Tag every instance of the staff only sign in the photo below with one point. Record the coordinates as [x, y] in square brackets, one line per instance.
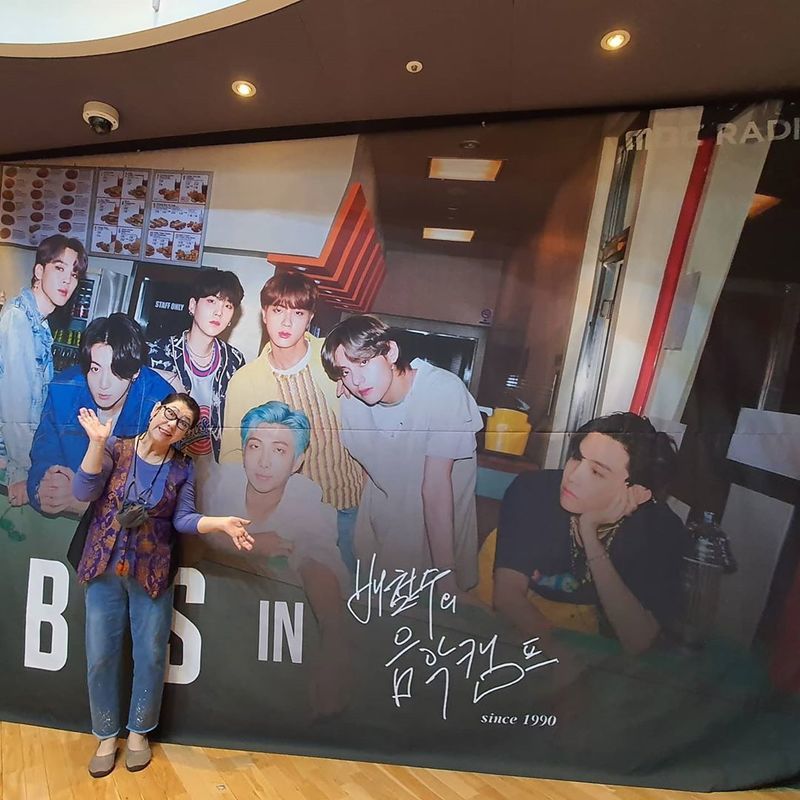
[484, 463]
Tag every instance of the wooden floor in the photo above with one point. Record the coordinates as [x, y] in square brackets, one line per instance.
[46, 764]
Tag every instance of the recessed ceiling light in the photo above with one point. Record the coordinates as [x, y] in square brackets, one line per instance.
[464, 169]
[615, 40]
[243, 88]
[470, 144]
[448, 234]
[414, 67]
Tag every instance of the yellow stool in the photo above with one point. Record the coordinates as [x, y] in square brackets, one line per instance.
[507, 431]
[573, 616]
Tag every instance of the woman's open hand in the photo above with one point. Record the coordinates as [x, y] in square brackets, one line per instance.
[236, 528]
[98, 432]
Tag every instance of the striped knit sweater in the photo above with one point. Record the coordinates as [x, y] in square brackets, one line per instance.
[308, 388]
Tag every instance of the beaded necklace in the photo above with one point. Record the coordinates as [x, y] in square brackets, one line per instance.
[580, 566]
[199, 367]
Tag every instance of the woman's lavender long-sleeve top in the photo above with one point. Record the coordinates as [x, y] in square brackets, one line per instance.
[87, 487]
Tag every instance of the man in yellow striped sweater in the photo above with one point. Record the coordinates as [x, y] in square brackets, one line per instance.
[289, 369]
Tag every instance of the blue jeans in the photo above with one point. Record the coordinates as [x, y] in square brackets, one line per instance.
[112, 604]
[346, 524]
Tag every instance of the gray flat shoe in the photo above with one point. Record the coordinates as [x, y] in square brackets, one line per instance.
[137, 759]
[100, 766]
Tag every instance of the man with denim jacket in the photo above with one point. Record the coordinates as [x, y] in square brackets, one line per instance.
[26, 359]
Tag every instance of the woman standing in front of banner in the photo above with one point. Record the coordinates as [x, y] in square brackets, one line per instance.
[143, 492]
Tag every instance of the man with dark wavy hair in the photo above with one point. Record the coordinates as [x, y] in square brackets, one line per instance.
[594, 547]
[412, 427]
[111, 380]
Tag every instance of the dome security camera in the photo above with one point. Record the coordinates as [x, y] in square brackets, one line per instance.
[100, 117]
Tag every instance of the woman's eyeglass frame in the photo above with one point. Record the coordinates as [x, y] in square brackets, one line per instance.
[171, 415]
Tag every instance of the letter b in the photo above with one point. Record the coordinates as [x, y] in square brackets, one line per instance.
[38, 613]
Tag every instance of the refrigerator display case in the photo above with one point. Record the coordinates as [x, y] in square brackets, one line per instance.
[68, 326]
[99, 293]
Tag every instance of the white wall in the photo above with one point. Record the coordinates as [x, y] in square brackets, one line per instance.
[266, 197]
[440, 287]
[756, 526]
[666, 173]
[583, 301]
[364, 173]
[16, 264]
[732, 183]
[733, 177]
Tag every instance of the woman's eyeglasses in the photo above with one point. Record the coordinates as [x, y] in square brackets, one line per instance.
[172, 415]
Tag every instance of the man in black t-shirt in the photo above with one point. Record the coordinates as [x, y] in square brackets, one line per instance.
[596, 534]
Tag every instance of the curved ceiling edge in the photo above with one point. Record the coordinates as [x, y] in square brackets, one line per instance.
[241, 12]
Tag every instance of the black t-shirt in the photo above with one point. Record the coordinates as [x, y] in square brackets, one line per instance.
[534, 538]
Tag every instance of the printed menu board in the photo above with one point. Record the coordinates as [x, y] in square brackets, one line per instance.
[38, 201]
[120, 211]
[176, 225]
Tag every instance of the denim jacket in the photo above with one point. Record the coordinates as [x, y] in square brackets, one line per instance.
[26, 369]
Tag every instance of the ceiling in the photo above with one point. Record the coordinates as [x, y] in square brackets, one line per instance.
[318, 62]
[539, 159]
[44, 29]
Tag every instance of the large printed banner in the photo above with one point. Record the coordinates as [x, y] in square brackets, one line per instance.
[518, 444]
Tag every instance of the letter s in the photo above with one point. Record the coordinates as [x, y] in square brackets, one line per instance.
[189, 669]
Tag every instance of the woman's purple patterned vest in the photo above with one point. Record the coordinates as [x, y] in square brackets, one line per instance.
[149, 555]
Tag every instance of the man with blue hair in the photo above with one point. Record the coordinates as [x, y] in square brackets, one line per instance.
[295, 533]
